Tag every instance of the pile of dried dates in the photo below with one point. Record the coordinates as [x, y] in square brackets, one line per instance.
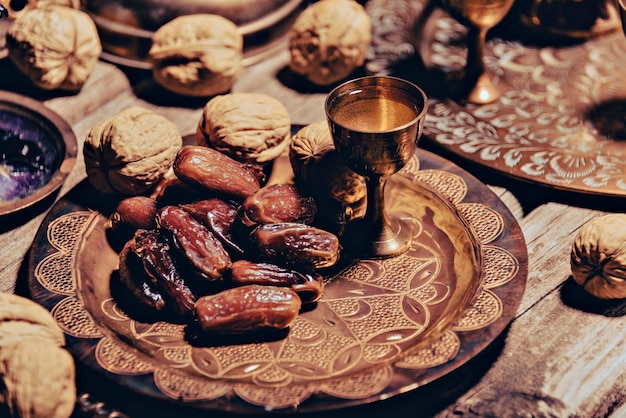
[215, 246]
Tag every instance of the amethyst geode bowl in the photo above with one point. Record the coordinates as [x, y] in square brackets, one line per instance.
[37, 152]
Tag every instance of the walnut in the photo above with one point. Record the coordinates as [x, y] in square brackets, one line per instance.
[23, 318]
[321, 169]
[56, 46]
[131, 152]
[249, 127]
[598, 256]
[197, 55]
[329, 40]
[38, 378]
[37, 374]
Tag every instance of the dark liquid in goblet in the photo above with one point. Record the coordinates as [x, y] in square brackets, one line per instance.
[374, 115]
[375, 123]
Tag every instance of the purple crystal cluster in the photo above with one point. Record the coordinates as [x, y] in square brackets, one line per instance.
[28, 156]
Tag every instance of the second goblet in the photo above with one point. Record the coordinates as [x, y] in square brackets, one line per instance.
[477, 85]
[376, 123]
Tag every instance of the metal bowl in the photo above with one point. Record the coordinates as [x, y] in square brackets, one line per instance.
[37, 152]
[126, 26]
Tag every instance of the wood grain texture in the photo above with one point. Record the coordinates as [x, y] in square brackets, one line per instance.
[564, 355]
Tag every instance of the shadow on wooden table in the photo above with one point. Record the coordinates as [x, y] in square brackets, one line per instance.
[11, 79]
[574, 296]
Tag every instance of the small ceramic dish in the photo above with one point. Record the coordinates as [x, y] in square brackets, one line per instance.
[37, 152]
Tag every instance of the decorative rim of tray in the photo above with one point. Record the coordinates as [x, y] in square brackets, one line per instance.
[560, 124]
[409, 352]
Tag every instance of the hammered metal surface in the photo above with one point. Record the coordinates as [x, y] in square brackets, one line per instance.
[559, 124]
[381, 328]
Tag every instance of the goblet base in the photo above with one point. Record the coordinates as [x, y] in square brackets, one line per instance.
[392, 239]
[481, 89]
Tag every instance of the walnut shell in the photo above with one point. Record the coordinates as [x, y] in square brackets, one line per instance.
[131, 152]
[23, 318]
[56, 46]
[598, 256]
[38, 379]
[321, 169]
[37, 374]
[248, 127]
[197, 55]
[329, 40]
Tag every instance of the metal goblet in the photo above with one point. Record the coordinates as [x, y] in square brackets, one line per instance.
[477, 85]
[376, 123]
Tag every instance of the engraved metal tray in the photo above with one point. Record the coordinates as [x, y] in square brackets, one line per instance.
[561, 122]
[382, 327]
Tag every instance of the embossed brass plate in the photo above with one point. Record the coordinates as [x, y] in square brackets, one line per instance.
[382, 327]
[561, 124]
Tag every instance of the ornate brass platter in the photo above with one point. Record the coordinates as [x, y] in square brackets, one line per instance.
[560, 124]
[381, 328]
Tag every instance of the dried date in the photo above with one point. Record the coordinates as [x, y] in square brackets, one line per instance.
[296, 245]
[248, 308]
[219, 217]
[210, 169]
[175, 192]
[309, 287]
[135, 212]
[197, 245]
[136, 280]
[145, 256]
[278, 203]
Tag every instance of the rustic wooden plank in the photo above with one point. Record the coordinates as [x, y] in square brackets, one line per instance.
[558, 360]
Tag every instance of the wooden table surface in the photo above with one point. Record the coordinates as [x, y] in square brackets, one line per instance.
[564, 353]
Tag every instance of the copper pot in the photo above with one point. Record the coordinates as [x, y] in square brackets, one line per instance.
[569, 18]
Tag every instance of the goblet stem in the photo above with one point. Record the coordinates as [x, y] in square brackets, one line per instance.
[375, 214]
[477, 85]
[377, 234]
[475, 64]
